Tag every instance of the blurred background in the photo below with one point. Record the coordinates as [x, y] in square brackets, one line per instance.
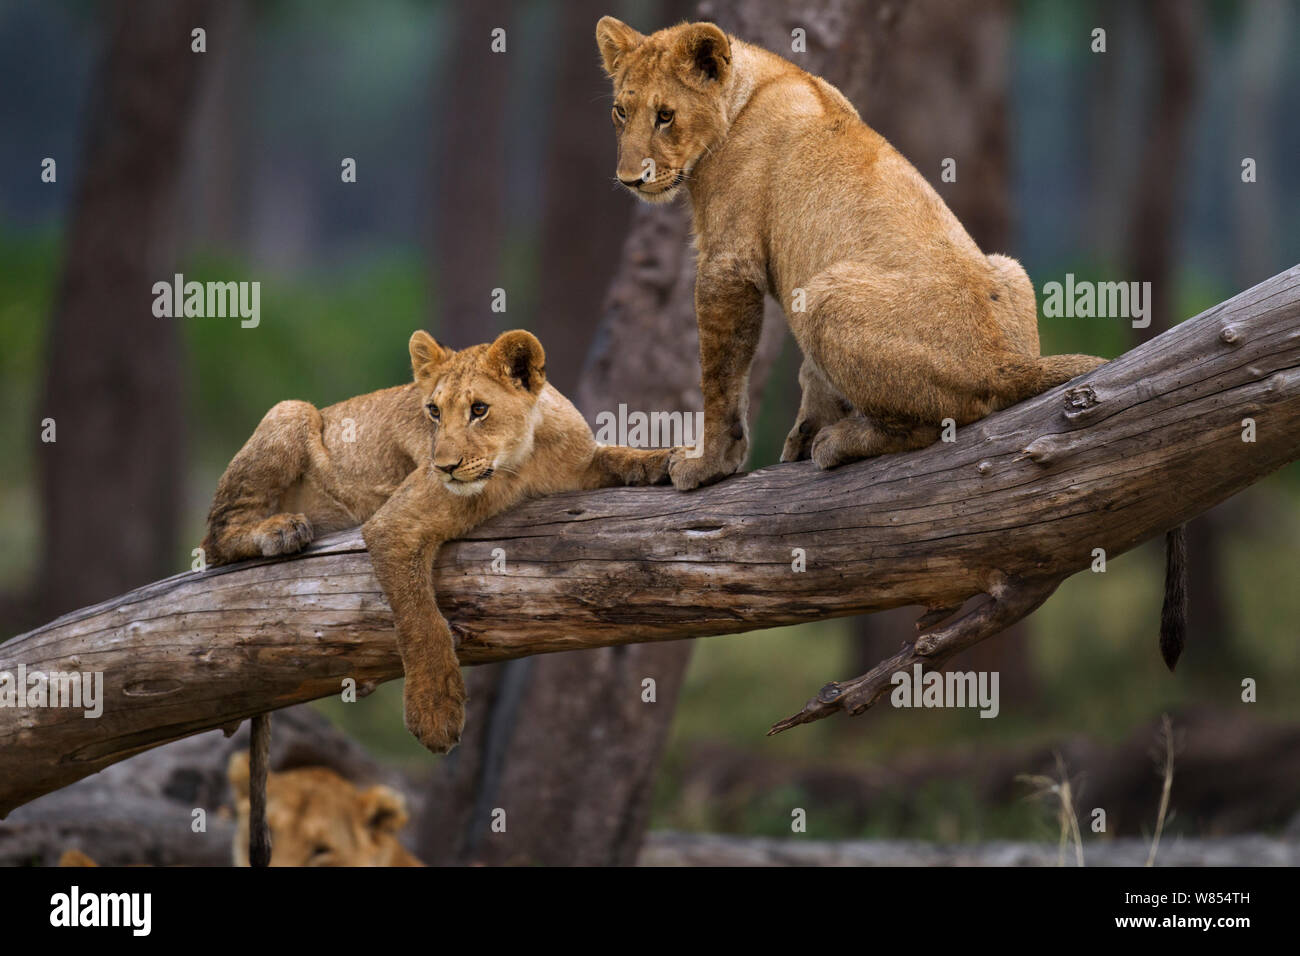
[478, 170]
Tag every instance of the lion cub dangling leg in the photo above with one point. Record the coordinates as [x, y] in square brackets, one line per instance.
[501, 434]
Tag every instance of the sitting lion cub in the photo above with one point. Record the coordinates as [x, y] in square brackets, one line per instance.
[902, 320]
[477, 432]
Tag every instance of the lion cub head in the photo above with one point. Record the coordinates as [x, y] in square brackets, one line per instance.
[319, 819]
[482, 402]
[669, 108]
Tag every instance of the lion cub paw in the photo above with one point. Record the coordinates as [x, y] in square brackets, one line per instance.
[652, 468]
[283, 534]
[799, 441]
[841, 443]
[436, 717]
[688, 473]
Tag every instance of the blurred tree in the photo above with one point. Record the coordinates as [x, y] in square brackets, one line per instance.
[1261, 62]
[1174, 28]
[111, 482]
[585, 212]
[218, 160]
[469, 173]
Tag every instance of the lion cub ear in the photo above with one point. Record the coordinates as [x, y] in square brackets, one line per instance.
[426, 353]
[383, 809]
[520, 357]
[613, 39]
[705, 51]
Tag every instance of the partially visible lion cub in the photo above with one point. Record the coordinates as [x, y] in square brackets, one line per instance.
[477, 432]
[902, 320]
[317, 818]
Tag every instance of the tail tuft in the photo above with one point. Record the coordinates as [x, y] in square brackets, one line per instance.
[1173, 615]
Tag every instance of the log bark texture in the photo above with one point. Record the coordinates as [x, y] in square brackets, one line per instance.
[1016, 504]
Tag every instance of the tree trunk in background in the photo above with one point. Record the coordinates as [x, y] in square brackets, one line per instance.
[586, 212]
[574, 771]
[111, 483]
[1261, 64]
[469, 175]
[219, 160]
[1174, 28]
[940, 91]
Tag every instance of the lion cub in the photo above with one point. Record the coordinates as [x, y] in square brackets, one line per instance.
[902, 320]
[475, 433]
[318, 818]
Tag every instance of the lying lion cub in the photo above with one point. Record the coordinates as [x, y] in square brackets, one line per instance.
[317, 818]
[902, 320]
[477, 432]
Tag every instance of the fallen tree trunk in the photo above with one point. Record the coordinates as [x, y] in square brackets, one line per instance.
[1016, 504]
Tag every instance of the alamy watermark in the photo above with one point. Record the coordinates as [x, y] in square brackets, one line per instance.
[946, 689]
[213, 300]
[652, 430]
[73, 689]
[1082, 299]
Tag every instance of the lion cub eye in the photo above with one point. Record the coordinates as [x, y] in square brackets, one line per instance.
[477, 410]
[665, 117]
[432, 409]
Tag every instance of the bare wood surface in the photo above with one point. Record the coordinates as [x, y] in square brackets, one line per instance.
[1017, 503]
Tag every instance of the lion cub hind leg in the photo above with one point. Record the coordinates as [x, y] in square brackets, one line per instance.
[243, 522]
[858, 437]
[819, 407]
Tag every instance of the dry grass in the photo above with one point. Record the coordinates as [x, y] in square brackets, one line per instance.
[1059, 789]
[1164, 755]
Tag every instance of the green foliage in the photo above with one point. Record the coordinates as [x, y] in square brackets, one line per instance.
[323, 337]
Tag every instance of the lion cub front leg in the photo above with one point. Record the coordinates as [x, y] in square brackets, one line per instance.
[403, 537]
[729, 310]
[614, 465]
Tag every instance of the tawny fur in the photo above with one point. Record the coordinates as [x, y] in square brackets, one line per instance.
[904, 321]
[319, 819]
[414, 481]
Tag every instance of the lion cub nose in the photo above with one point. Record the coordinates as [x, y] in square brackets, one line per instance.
[449, 469]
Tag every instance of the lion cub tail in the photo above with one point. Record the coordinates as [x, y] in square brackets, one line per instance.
[1017, 377]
